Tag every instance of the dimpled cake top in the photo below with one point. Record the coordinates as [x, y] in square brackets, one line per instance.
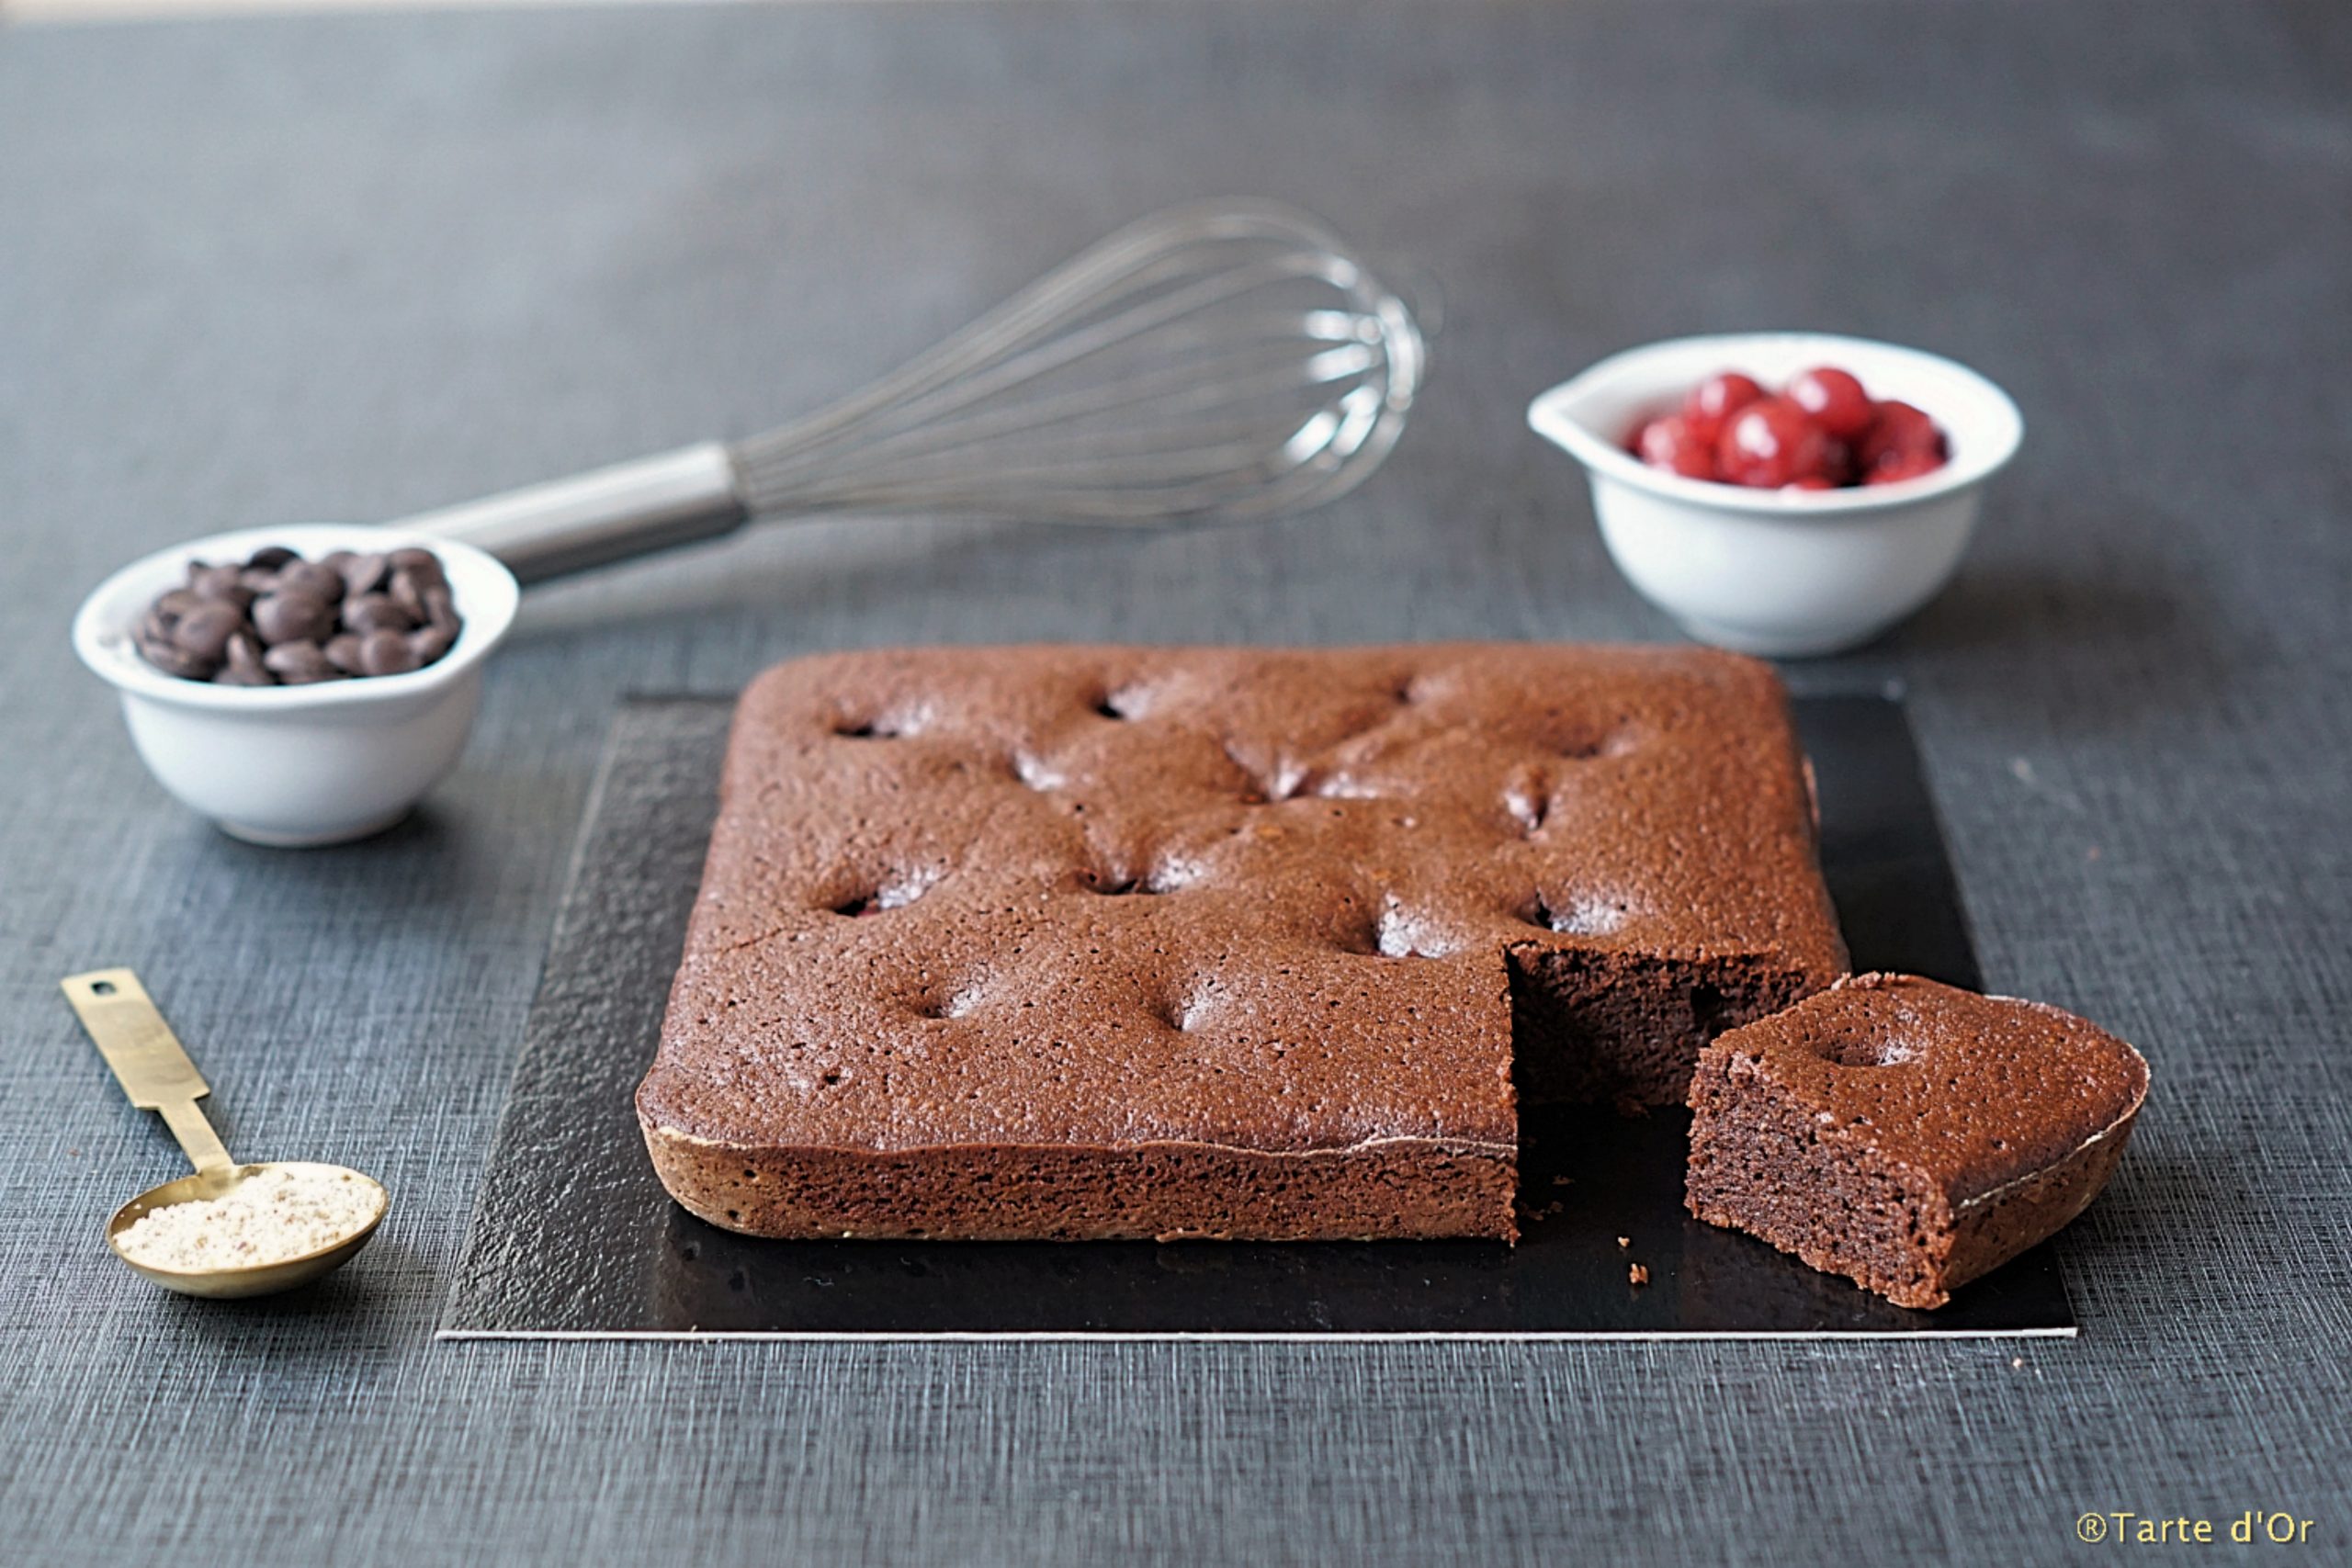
[1978, 1092]
[1073, 894]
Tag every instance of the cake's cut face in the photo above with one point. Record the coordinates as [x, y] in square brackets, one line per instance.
[1121, 941]
[1908, 1136]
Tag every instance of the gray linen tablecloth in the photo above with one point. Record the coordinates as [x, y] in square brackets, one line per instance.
[348, 266]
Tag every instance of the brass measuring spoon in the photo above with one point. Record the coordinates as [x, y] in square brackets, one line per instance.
[154, 1071]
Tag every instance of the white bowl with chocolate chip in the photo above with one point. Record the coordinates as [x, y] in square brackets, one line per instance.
[318, 762]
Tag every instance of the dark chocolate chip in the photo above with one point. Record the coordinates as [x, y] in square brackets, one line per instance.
[291, 617]
[441, 610]
[173, 659]
[219, 583]
[406, 591]
[315, 578]
[429, 643]
[367, 612]
[385, 653]
[178, 603]
[269, 558]
[421, 564]
[245, 667]
[363, 574]
[260, 582]
[205, 630]
[299, 663]
[343, 652]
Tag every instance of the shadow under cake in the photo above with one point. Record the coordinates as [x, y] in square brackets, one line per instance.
[1907, 1134]
[1073, 942]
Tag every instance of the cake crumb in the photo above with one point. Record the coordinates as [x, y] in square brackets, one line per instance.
[2016, 1361]
[1639, 1274]
[1625, 1241]
[285, 1213]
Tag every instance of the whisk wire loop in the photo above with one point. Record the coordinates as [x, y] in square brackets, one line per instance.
[1228, 359]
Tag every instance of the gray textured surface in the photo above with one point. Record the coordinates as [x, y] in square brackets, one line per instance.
[351, 266]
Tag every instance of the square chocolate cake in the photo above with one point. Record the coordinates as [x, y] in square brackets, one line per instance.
[1070, 942]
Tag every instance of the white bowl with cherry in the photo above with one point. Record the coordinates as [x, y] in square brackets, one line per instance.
[1784, 493]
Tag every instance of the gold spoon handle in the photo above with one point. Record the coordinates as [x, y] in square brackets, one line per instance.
[147, 1058]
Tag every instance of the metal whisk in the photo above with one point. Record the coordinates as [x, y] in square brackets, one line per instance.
[1229, 360]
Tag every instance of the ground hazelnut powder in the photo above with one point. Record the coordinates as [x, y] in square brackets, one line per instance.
[284, 1213]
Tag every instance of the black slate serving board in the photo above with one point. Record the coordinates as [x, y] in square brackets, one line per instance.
[574, 1237]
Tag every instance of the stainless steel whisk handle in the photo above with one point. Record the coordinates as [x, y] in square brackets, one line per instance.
[605, 515]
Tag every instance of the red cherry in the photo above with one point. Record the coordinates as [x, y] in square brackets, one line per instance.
[1667, 444]
[1715, 399]
[1835, 463]
[1812, 481]
[1836, 401]
[1903, 466]
[1898, 430]
[1771, 443]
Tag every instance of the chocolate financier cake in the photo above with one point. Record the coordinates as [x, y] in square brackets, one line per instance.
[1908, 1136]
[1065, 942]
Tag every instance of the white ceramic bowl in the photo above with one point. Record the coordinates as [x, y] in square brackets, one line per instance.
[316, 764]
[1784, 573]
